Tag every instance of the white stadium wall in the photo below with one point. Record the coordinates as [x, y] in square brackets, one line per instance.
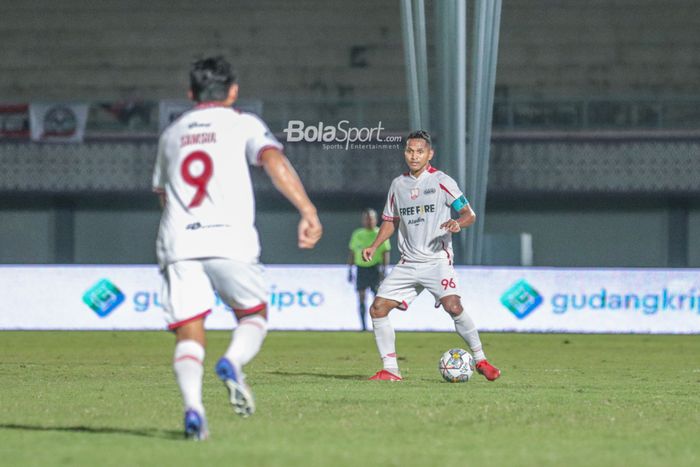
[320, 298]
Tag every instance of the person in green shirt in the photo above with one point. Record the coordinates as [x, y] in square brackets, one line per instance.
[369, 273]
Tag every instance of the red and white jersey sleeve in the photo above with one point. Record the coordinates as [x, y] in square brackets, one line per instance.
[390, 212]
[449, 187]
[259, 139]
[202, 167]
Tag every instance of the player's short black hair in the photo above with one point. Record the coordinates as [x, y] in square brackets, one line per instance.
[420, 134]
[211, 78]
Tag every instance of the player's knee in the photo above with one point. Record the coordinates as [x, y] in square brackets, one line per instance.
[193, 330]
[378, 311]
[453, 307]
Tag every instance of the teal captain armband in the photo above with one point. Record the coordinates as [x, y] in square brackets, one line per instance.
[459, 203]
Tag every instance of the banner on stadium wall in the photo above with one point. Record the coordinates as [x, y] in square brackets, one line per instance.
[14, 120]
[320, 298]
[170, 110]
[58, 122]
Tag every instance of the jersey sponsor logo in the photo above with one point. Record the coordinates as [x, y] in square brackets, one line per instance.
[197, 138]
[198, 125]
[429, 191]
[414, 193]
[103, 297]
[420, 220]
[198, 225]
[418, 209]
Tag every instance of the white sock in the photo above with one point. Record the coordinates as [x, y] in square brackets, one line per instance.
[386, 343]
[247, 340]
[188, 366]
[465, 327]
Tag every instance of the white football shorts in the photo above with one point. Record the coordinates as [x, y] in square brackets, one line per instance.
[406, 281]
[189, 285]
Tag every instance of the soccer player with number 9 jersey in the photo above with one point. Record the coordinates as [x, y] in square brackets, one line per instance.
[207, 239]
[419, 204]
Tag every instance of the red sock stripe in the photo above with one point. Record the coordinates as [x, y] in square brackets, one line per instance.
[188, 357]
[391, 355]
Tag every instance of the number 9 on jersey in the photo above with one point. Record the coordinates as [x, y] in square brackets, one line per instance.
[196, 178]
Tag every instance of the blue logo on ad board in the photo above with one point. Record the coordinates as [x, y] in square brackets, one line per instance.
[103, 297]
[521, 299]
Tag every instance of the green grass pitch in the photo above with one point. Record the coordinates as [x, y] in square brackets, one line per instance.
[109, 398]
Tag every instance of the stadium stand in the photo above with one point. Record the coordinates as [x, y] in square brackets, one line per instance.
[567, 69]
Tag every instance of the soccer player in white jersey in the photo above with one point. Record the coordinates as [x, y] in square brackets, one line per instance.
[419, 203]
[207, 239]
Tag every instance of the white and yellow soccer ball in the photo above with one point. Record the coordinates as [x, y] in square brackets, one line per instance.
[456, 366]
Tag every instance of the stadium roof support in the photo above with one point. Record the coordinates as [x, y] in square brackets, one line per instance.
[415, 53]
[451, 42]
[487, 18]
[469, 167]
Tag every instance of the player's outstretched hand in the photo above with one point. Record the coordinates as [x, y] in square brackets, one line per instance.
[452, 225]
[310, 230]
[367, 253]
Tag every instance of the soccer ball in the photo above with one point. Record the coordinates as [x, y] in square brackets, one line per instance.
[456, 366]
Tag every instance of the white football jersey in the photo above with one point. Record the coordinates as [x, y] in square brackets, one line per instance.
[202, 167]
[422, 204]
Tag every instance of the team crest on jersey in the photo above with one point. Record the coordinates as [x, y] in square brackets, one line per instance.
[414, 193]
